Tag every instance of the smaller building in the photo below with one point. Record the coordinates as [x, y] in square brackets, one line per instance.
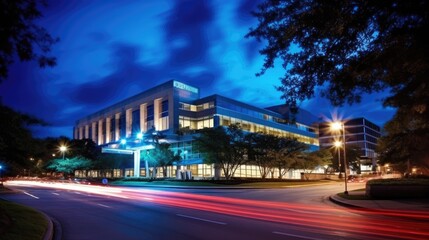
[359, 132]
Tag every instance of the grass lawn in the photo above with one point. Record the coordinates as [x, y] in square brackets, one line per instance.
[20, 222]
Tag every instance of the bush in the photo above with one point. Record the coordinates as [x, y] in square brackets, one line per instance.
[398, 188]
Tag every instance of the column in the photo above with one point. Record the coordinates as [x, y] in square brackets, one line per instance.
[80, 132]
[137, 163]
[128, 122]
[156, 112]
[108, 130]
[143, 115]
[117, 127]
[87, 131]
[100, 132]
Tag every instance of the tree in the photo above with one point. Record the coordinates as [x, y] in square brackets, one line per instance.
[405, 142]
[308, 161]
[262, 151]
[69, 165]
[162, 157]
[106, 162]
[224, 147]
[353, 157]
[288, 150]
[20, 36]
[347, 48]
[86, 148]
[17, 144]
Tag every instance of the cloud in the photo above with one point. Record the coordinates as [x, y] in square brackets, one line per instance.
[188, 23]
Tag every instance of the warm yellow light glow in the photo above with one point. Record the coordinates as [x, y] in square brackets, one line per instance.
[336, 126]
[63, 148]
[338, 144]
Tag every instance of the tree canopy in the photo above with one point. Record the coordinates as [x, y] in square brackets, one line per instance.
[224, 147]
[407, 141]
[347, 48]
[162, 156]
[351, 47]
[21, 37]
[16, 142]
[69, 165]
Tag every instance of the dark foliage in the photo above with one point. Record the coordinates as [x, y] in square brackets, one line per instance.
[347, 48]
[21, 37]
[16, 141]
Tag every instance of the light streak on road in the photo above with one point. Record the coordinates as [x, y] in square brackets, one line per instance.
[201, 219]
[296, 236]
[102, 190]
[31, 195]
[325, 220]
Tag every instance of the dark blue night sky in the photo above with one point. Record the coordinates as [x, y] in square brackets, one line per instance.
[111, 50]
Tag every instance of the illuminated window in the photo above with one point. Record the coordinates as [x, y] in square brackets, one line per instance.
[150, 117]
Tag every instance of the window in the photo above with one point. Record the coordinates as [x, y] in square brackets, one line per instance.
[150, 117]
[122, 125]
[112, 128]
[135, 125]
[164, 108]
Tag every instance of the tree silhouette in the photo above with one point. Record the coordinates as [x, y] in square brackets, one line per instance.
[21, 37]
[347, 48]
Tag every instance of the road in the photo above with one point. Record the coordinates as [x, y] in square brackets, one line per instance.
[94, 212]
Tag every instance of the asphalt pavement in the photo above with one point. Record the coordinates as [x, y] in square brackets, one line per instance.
[415, 205]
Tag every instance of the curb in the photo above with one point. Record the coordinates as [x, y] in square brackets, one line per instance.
[49, 233]
[338, 201]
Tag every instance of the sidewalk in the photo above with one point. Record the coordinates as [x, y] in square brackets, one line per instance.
[420, 205]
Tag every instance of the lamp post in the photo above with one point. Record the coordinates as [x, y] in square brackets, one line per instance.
[339, 126]
[337, 145]
[63, 149]
[1, 179]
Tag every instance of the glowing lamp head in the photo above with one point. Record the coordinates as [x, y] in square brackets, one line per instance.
[63, 148]
[140, 135]
[337, 144]
[336, 126]
[123, 141]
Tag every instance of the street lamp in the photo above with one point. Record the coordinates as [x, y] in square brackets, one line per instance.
[339, 126]
[337, 145]
[140, 136]
[63, 149]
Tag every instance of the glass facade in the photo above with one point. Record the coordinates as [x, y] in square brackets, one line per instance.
[196, 108]
[253, 127]
[196, 123]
